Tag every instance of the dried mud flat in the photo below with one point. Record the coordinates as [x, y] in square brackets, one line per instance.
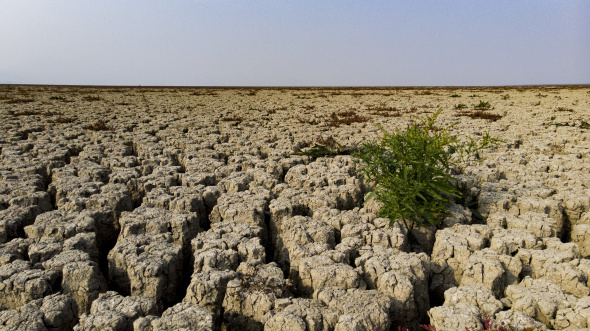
[171, 208]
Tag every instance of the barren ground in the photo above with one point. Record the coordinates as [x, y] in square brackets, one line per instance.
[167, 208]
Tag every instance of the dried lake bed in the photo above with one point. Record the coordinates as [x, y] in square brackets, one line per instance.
[136, 208]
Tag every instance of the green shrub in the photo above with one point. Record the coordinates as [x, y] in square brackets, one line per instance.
[482, 105]
[408, 170]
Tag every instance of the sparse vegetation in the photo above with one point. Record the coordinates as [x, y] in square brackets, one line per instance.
[455, 96]
[583, 124]
[384, 110]
[58, 97]
[483, 105]
[387, 114]
[479, 114]
[346, 117]
[505, 96]
[33, 113]
[19, 101]
[428, 106]
[460, 106]
[326, 147]
[328, 141]
[475, 96]
[306, 121]
[232, 119]
[565, 109]
[61, 120]
[26, 113]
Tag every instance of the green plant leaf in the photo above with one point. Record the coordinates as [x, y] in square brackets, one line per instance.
[410, 169]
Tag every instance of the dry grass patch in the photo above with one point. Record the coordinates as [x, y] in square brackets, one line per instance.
[61, 120]
[26, 113]
[325, 147]
[236, 119]
[563, 109]
[382, 110]
[479, 114]
[13, 101]
[306, 121]
[33, 113]
[346, 117]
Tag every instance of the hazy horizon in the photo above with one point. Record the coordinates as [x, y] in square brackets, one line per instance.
[295, 43]
[369, 87]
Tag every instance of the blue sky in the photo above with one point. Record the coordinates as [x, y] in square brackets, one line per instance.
[295, 43]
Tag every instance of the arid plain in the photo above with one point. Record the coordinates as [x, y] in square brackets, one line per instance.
[135, 208]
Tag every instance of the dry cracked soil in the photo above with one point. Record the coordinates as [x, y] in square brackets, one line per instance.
[191, 208]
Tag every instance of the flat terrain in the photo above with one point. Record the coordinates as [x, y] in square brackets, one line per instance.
[162, 208]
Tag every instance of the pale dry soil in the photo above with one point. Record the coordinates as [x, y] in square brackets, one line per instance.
[168, 208]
